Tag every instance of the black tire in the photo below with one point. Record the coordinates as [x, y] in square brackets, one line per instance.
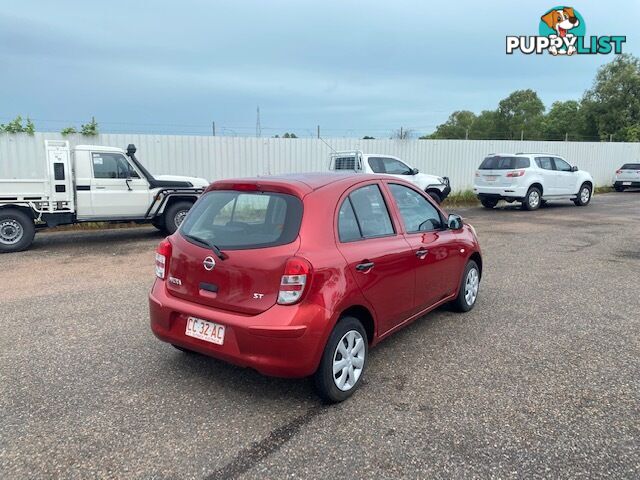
[173, 213]
[436, 196]
[158, 222]
[489, 202]
[584, 195]
[619, 188]
[16, 230]
[324, 377]
[544, 203]
[462, 302]
[533, 199]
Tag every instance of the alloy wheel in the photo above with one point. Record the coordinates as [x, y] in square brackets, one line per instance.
[471, 284]
[348, 360]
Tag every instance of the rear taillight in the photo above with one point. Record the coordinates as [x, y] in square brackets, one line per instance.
[296, 275]
[163, 254]
[618, 172]
[515, 173]
[477, 174]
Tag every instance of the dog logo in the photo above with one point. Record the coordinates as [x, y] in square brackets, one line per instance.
[562, 31]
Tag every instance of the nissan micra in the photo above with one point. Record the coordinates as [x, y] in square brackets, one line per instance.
[300, 275]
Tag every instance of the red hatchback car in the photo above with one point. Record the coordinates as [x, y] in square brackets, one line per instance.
[299, 275]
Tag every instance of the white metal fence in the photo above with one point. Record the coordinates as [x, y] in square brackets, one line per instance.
[22, 155]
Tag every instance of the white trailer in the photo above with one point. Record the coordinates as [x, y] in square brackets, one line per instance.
[89, 183]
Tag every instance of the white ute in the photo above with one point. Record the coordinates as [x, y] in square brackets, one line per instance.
[356, 161]
[530, 178]
[88, 183]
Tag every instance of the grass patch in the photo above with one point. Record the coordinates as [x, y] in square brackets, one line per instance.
[465, 198]
[603, 189]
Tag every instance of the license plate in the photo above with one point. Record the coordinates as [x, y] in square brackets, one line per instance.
[207, 331]
[490, 178]
[626, 183]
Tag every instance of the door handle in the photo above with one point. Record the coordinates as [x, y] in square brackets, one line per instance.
[421, 253]
[364, 267]
[100, 188]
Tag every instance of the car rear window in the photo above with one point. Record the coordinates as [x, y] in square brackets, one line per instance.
[630, 166]
[235, 220]
[504, 163]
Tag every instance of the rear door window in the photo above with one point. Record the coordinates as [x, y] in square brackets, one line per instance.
[418, 215]
[237, 220]
[544, 163]
[364, 214]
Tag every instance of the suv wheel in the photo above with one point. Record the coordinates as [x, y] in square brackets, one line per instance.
[533, 199]
[16, 230]
[343, 361]
[174, 216]
[468, 292]
[584, 195]
[488, 202]
[619, 188]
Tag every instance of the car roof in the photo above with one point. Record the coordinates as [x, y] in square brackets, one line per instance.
[299, 184]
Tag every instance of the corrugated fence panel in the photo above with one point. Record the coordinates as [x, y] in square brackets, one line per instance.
[22, 156]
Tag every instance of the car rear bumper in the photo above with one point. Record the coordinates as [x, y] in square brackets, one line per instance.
[284, 341]
[500, 191]
[627, 184]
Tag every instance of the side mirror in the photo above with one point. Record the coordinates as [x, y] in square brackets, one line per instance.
[454, 222]
[414, 171]
[574, 169]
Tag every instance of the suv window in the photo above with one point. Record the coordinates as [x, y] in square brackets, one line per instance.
[370, 215]
[235, 220]
[561, 165]
[418, 215]
[544, 163]
[495, 162]
[111, 165]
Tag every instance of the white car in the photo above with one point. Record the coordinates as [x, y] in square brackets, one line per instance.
[627, 176]
[438, 188]
[530, 178]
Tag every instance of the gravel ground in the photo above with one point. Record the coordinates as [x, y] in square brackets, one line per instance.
[541, 379]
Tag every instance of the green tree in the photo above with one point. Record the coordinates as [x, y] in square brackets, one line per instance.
[521, 111]
[564, 120]
[484, 126]
[68, 131]
[16, 126]
[90, 129]
[612, 104]
[456, 126]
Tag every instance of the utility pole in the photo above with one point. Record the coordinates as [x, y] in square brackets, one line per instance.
[466, 134]
[401, 136]
[318, 131]
[566, 137]
[521, 135]
[213, 128]
[258, 128]
[611, 137]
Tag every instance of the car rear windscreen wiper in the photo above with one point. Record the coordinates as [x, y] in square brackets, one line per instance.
[209, 244]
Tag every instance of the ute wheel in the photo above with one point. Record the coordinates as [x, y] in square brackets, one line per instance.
[158, 222]
[488, 202]
[468, 292]
[584, 195]
[533, 199]
[619, 188]
[175, 214]
[435, 195]
[343, 361]
[16, 230]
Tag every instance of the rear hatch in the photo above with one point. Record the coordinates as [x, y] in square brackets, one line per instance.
[629, 172]
[254, 232]
[498, 170]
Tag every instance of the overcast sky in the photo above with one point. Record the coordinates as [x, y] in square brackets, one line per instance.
[355, 68]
